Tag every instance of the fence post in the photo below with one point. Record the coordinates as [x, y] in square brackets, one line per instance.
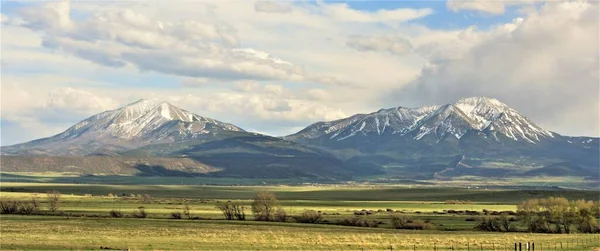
[533, 246]
[520, 247]
[515, 246]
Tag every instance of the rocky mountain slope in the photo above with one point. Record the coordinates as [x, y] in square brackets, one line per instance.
[141, 123]
[474, 136]
[153, 136]
[456, 119]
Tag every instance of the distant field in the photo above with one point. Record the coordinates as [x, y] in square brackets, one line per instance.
[86, 223]
[464, 181]
[319, 193]
[59, 233]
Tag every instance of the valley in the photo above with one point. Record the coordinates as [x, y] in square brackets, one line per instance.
[84, 220]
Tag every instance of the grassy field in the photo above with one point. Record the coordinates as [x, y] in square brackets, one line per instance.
[85, 222]
[465, 181]
[35, 232]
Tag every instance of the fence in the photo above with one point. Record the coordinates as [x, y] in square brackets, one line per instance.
[585, 243]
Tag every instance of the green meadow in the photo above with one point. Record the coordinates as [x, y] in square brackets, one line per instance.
[84, 222]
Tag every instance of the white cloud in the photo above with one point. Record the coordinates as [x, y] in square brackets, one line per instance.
[244, 108]
[246, 86]
[74, 100]
[194, 82]
[273, 7]
[343, 12]
[4, 19]
[395, 45]
[486, 6]
[280, 71]
[273, 90]
[125, 37]
[33, 110]
[319, 94]
[544, 65]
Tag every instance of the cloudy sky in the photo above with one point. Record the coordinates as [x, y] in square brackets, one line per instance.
[276, 67]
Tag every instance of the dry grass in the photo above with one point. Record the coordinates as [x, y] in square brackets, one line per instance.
[152, 234]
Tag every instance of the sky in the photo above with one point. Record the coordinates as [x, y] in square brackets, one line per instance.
[275, 67]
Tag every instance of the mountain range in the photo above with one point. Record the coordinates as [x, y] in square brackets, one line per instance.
[472, 137]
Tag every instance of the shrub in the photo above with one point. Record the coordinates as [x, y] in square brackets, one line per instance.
[232, 210]
[469, 212]
[263, 206]
[309, 216]
[146, 199]
[9, 207]
[489, 224]
[470, 219]
[508, 212]
[588, 224]
[116, 213]
[458, 202]
[596, 209]
[389, 210]
[27, 208]
[140, 213]
[53, 200]
[398, 222]
[402, 222]
[19, 207]
[506, 222]
[420, 225]
[30, 207]
[176, 215]
[280, 215]
[186, 211]
[358, 222]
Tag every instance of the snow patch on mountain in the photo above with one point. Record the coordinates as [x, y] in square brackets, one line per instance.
[144, 122]
[455, 119]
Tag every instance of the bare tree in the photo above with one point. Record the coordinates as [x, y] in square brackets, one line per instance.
[280, 215]
[232, 210]
[226, 209]
[264, 206]
[53, 200]
[146, 199]
[140, 213]
[186, 210]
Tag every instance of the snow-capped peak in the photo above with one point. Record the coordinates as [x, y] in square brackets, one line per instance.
[491, 113]
[145, 121]
[154, 107]
[141, 123]
[466, 114]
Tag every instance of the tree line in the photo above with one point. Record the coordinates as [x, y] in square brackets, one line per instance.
[559, 215]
